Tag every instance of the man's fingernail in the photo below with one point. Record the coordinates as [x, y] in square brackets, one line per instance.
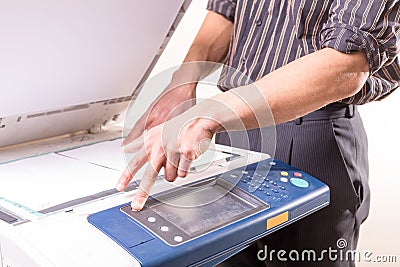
[136, 206]
[119, 186]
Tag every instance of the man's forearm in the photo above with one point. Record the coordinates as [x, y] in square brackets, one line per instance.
[312, 82]
[211, 44]
[292, 91]
[212, 41]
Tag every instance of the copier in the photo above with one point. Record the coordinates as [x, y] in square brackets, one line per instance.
[68, 72]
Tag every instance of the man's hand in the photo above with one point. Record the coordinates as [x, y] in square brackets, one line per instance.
[210, 45]
[176, 99]
[172, 145]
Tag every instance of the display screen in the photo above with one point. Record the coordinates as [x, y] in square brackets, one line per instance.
[192, 214]
[185, 213]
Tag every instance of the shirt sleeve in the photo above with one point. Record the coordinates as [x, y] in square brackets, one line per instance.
[225, 8]
[378, 86]
[371, 26]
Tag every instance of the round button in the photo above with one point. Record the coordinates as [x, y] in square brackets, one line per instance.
[234, 175]
[164, 228]
[272, 163]
[245, 172]
[284, 179]
[259, 22]
[299, 182]
[297, 174]
[283, 173]
[178, 238]
[151, 219]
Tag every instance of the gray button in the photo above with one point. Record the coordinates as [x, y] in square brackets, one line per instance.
[259, 22]
[151, 219]
[234, 175]
[178, 238]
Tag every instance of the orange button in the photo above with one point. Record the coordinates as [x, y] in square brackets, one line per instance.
[277, 220]
[297, 174]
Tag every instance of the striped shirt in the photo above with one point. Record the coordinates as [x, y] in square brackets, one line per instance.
[271, 33]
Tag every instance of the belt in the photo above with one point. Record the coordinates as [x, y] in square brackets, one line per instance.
[331, 111]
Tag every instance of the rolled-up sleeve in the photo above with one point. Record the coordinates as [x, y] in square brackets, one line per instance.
[377, 86]
[371, 26]
[225, 8]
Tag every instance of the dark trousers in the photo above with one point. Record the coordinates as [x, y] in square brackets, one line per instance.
[331, 145]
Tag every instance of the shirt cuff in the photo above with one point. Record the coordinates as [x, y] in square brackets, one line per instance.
[225, 8]
[349, 39]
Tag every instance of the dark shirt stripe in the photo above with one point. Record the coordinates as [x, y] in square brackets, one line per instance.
[269, 34]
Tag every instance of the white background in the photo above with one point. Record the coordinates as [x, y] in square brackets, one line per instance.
[380, 233]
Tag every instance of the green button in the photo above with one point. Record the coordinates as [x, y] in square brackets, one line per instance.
[299, 182]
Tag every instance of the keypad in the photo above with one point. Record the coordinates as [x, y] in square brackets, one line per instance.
[275, 187]
[267, 186]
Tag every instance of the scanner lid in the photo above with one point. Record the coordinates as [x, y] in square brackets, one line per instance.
[57, 57]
